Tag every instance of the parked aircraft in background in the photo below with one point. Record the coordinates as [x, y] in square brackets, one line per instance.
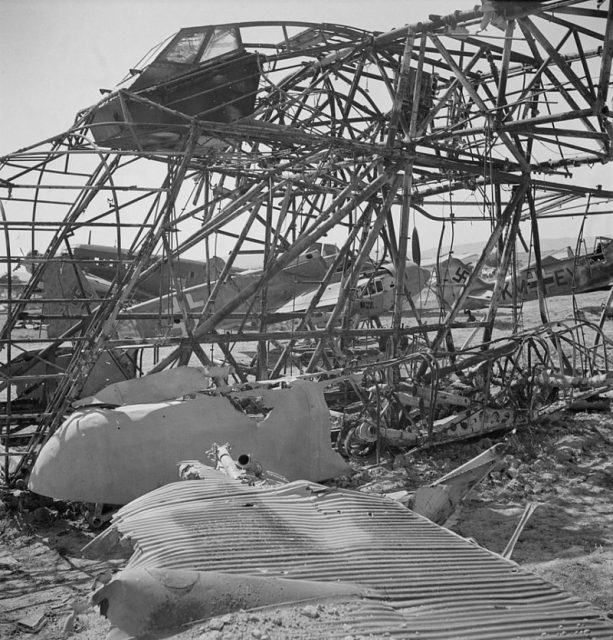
[297, 278]
[104, 262]
[86, 276]
[289, 294]
[374, 294]
[89, 271]
[451, 276]
[561, 276]
[100, 264]
[71, 283]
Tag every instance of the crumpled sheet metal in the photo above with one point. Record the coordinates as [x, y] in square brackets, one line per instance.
[112, 456]
[145, 601]
[423, 579]
[165, 385]
[439, 500]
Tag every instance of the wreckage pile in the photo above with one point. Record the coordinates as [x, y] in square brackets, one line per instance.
[128, 439]
[252, 536]
[258, 530]
[572, 529]
[301, 542]
[314, 408]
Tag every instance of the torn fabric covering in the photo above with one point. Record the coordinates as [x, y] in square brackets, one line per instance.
[416, 577]
[112, 456]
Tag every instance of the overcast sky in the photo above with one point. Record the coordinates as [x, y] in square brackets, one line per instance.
[55, 55]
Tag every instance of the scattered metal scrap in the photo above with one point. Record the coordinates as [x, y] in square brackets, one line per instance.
[439, 500]
[436, 501]
[166, 385]
[474, 391]
[103, 454]
[33, 622]
[529, 509]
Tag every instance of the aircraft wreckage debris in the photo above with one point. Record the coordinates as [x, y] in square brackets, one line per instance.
[328, 197]
[304, 153]
[283, 547]
[112, 456]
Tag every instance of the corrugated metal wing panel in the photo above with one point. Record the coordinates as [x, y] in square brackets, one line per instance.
[430, 581]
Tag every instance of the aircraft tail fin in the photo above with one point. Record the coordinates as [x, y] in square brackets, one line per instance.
[451, 277]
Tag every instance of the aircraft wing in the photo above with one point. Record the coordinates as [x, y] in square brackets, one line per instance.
[99, 285]
[481, 299]
[301, 303]
[102, 286]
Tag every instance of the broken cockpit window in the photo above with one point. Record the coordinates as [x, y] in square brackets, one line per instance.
[204, 72]
[185, 49]
[222, 40]
[195, 46]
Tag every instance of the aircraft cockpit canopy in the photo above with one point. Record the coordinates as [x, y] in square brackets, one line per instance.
[203, 72]
[194, 46]
[189, 49]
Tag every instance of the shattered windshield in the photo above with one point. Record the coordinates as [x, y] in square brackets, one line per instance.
[223, 40]
[197, 46]
[186, 48]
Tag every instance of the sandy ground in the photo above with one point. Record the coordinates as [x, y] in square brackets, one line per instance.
[564, 464]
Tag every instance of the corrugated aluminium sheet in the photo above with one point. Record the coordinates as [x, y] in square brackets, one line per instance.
[432, 583]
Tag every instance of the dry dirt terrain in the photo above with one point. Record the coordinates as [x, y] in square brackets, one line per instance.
[564, 464]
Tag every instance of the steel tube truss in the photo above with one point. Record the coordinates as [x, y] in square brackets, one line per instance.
[319, 135]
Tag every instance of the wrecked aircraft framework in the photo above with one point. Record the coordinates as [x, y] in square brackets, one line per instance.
[319, 149]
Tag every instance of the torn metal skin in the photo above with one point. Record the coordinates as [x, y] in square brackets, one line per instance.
[439, 500]
[123, 452]
[165, 385]
[115, 455]
[148, 601]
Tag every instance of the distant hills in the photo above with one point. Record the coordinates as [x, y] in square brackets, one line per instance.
[548, 247]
